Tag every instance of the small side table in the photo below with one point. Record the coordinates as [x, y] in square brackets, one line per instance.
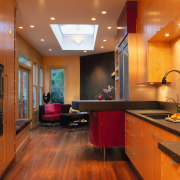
[79, 117]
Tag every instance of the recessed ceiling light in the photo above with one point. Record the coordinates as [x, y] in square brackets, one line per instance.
[151, 83]
[50, 49]
[104, 12]
[93, 19]
[109, 27]
[104, 40]
[167, 34]
[102, 47]
[42, 40]
[31, 26]
[179, 24]
[85, 51]
[52, 18]
[20, 27]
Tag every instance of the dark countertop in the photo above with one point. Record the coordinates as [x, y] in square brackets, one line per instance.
[166, 125]
[172, 149]
[97, 105]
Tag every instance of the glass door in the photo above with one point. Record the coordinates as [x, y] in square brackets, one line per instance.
[23, 93]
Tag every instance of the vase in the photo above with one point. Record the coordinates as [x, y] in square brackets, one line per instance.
[107, 96]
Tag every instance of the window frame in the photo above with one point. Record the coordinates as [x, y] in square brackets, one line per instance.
[40, 86]
[35, 86]
[64, 80]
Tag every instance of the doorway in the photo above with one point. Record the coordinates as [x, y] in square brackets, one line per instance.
[23, 93]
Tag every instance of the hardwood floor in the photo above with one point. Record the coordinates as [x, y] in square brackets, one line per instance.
[56, 153]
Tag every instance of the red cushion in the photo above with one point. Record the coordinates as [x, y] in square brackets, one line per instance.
[50, 109]
[51, 117]
[58, 108]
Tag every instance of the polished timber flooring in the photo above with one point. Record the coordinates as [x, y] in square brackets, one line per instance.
[57, 153]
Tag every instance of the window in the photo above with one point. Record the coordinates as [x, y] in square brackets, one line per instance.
[24, 61]
[41, 87]
[57, 86]
[34, 85]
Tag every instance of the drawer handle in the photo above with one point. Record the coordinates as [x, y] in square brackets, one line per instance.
[3, 164]
[129, 134]
[156, 137]
[130, 152]
[129, 120]
[2, 149]
[174, 161]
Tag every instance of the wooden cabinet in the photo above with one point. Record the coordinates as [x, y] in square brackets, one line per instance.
[141, 146]
[2, 160]
[169, 169]
[7, 144]
[106, 128]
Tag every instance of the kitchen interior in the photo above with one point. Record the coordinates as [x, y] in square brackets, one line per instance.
[143, 117]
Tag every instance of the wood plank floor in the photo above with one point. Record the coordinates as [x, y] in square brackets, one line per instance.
[56, 153]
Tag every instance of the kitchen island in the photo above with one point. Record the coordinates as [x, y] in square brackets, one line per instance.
[121, 123]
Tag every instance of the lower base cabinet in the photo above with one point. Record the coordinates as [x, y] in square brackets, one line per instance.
[169, 169]
[141, 146]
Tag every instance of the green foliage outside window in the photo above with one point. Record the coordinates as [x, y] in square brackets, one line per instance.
[57, 86]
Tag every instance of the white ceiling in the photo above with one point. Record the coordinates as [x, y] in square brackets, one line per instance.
[38, 13]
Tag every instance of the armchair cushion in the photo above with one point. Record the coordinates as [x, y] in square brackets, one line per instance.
[51, 117]
[50, 109]
[58, 108]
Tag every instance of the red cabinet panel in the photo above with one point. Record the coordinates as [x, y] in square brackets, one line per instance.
[106, 128]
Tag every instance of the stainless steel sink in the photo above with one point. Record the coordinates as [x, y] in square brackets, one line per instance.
[157, 116]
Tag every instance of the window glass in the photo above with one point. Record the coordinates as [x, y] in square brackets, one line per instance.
[24, 61]
[57, 86]
[35, 85]
[41, 87]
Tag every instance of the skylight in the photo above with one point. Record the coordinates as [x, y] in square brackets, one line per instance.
[75, 36]
[74, 29]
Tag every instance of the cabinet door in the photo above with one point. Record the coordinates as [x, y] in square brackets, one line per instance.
[169, 170]
[112, 128]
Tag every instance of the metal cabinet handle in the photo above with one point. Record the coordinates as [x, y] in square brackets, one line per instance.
[7, 98]
[174, 161]
[156, 137]
[3, 164]
[129, 120]
[129, 134]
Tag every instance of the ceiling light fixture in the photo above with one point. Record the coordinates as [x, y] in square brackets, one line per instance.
[104, 12]
[93, 19]
[31, 26]
[167, 34]
[50, 49]
[52, 18]
[42, 40]
[85, 51]
[20, 27]
[109, 27]
[104, 40]
[102, 47]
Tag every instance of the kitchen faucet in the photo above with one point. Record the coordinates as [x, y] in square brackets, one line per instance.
[164, 78]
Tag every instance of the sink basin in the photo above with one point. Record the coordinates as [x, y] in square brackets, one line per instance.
[158, 116]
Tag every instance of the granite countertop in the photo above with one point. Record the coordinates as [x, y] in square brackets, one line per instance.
[164, 124]
[172, 149]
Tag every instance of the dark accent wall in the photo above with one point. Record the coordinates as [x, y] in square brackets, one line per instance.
[95, 75]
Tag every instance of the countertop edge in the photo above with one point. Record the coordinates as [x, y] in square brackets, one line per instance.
[171, 152]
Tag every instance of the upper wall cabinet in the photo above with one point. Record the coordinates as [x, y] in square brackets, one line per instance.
[127, 21]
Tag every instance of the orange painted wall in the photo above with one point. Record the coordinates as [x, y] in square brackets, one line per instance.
[71, 64]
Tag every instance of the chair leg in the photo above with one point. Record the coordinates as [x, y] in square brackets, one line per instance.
[104, 148]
